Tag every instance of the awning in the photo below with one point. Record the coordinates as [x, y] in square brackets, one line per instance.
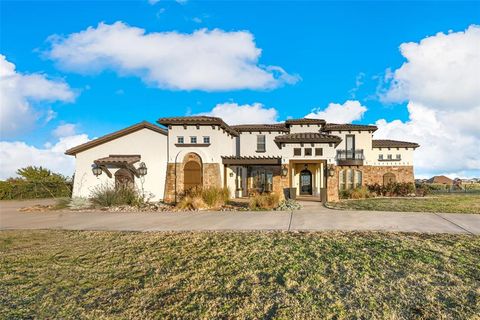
[249, 160]
[120, 161]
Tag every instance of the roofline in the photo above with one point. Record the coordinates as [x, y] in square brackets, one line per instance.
[189, 121]
[394, 144]
[117, 134]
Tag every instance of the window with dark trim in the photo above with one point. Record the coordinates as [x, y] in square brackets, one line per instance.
[319, 151]
[193, 139]
[380, 157]
[206, 139]
[261, 143]
[398, 156]
[297, 151]
[180, 140]
[389, 156]
[308, 151]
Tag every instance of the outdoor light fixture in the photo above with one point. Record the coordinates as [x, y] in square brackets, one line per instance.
[142, 169]
[231, 174]
[284, 171]
[96, 170]
[331, 171]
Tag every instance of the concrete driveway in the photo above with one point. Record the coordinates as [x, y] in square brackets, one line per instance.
[313, 217]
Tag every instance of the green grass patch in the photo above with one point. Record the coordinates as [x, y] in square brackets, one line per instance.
[453, 203]
[121, 275]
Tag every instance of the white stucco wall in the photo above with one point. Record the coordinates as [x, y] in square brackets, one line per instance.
[248, 144]
[150, 145]
[328, 152]
[363, 141]
[221, 143]
[406, 156]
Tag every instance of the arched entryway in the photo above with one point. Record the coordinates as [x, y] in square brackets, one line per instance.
[124, 179]
[389, 178]
[306, 182]
[192, 172]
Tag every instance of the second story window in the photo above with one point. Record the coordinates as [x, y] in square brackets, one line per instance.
[380, 157]
[193, 139]
[206, 140]
[261, 143]
[180, 140]
[308, 151]
[297, 151]
[319, 151]
[398, 157]
[389, 156]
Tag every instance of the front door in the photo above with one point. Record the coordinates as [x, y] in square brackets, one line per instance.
[305, 182]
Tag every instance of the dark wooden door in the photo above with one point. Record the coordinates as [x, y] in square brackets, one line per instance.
[305, 182]
[192, 178]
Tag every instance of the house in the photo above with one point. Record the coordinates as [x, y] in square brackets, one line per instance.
[440, 180]
[299, 157]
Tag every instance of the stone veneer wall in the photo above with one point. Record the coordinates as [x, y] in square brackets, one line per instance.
[370, 175]
[210, 177]
[374, 174]
[279, 182]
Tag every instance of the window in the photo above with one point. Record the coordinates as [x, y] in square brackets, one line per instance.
[308, 151]
[350, 146]
[349, 179]
[297, 151]
[180, 140]
[193, 139]
[389, 156]
[380, 157]
[262, 180]
[398, 157]
[358, 178]
[261, 143]
[319, 151]
[341, 180]
[206, 139]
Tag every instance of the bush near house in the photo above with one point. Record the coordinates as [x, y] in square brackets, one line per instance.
[204, 198]
[267, 201]
[106, 195]
[396, 189]
[33, 183]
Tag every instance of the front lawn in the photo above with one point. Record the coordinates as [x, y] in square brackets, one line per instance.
[253, 275]
[453, 203]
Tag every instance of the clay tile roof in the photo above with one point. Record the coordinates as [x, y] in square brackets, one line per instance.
[305, 121]
[253, 160]
[307, 137]
[393, 144]
[348, 127]
[115, 135]
[197, 120]
[119, 159]
[260, 127]
[251, 157]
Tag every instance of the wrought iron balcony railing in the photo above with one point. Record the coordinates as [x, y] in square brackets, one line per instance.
[350, 154]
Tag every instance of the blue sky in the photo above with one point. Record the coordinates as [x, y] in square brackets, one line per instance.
[336, 51]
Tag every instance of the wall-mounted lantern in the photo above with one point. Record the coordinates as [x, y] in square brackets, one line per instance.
[284, 170]
[96, 170]
[331, 171]
[231, 174]
[142, 169]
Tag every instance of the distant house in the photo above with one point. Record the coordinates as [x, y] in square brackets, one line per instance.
[440, 180]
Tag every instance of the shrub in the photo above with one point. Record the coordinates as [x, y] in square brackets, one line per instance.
[422, 190]
[395, 189]
[107, 195]
[191, 202]
[345, 194]
[360, 193]
[288, 205]
[264, 202]
[209, 197]
[35, 182]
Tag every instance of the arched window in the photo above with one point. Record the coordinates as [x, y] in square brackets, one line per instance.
[349, 179]
[341, 180]
[389, 178]
[358, 178]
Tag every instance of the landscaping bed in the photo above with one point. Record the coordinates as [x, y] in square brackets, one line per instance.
[449, 203]
[255, 275]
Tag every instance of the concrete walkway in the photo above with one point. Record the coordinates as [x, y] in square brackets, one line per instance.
[313, 217]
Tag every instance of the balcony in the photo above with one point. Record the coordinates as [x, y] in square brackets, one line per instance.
[350, 157]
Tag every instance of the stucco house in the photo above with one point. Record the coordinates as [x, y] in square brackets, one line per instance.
[306, 158]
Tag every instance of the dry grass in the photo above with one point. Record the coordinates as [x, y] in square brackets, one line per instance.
[264, 201]
[453, 203]
[115, 275]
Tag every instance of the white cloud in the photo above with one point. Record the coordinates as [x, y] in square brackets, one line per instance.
[233, 113]
[65, 130]
[348, 112]
[441, 82]
[19, 94]
[15, 155]
[441, 71]
[207, 60]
